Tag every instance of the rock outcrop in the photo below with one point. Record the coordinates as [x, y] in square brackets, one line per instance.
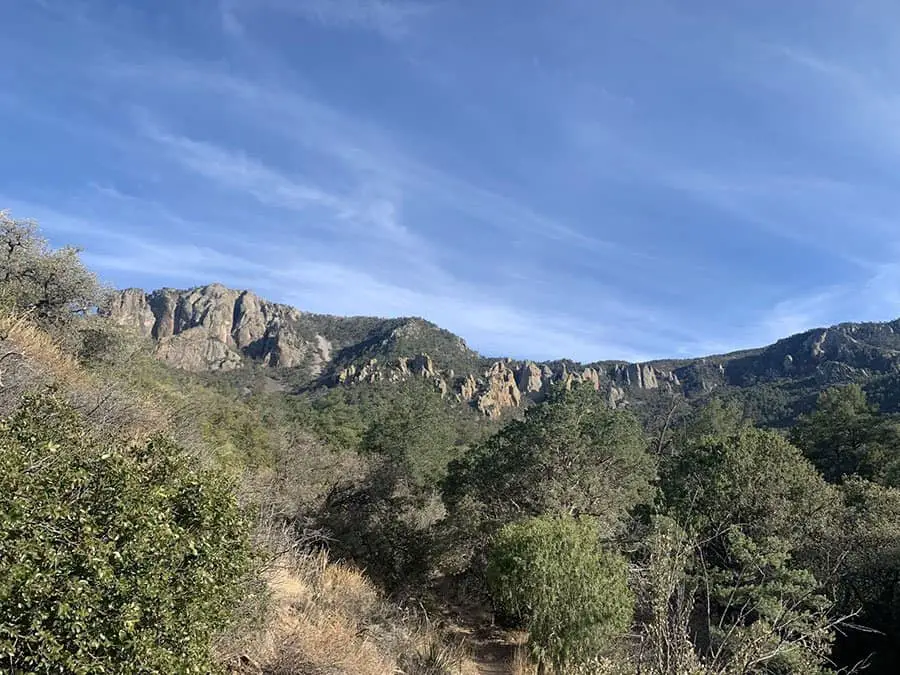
[216, 328]
[219, 329]
[501, 390]
[501, 385]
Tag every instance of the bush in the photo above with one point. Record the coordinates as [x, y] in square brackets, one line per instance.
[572, 595]
[111, 558]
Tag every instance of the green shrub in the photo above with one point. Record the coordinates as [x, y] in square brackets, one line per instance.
[572, 595]
[112, 559]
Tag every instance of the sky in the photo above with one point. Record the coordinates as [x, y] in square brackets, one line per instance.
[631, 179]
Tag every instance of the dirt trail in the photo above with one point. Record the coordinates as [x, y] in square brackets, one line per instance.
[492, 649]
[493, 652]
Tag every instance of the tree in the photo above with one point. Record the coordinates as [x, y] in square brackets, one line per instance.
[765, 613]
[869, 577]
[570, 455]
[383, 526]
[383, 521]
[667, 591]
[571, 594]
[846, 436]
[759, 512]
[50, 285]
[112, 557]
[716, 418]
[416, 434]
[752, 479]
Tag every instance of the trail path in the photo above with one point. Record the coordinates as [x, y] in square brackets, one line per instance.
[493, 652]
[492, 649]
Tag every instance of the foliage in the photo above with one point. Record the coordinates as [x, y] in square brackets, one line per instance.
[846, 436]
[570, 455]
[383, 526]
[407, 433]
[718, 417]
[345, 416]
[115, 553]
[111, 557]
[572, 595]
[416, 436]
[753, 479]
[869, 574]
[760, 511]
[404, 337]
[766, 614]
[235, 433]
[50, 285]
[667, 588]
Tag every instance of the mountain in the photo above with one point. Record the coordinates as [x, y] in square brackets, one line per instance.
[214, 328]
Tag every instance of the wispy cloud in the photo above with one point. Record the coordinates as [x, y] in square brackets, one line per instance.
[314, 284]
[596, 184]
[234, 169]
[862, 103]
[874, 294]
[368, 215]
[392, 19]
[368, 151]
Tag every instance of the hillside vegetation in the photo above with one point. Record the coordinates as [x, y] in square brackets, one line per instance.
[253, 520]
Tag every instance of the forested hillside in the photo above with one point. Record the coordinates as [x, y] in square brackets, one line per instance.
[202, 481]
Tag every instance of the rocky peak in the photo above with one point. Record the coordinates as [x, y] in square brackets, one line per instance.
[531, 379]
[215, 328]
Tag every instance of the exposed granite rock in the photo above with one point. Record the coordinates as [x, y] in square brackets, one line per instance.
[531, 379]
[591, 376]
[501, 391]
[615, 396]
[196, 351]
[214, 327]
[423, 366]
[468, 388]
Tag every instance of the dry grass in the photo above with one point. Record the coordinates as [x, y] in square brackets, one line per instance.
[322, 618]
[327, 618]
[522, 664]
[32, 360]
[25, 342]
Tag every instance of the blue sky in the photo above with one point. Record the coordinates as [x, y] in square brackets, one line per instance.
[571, 178]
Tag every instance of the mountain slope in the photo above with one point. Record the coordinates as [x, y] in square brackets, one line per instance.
[214, 328]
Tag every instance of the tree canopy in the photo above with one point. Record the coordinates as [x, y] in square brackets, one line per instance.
[846, 436]
[50, 285]
[570, 455]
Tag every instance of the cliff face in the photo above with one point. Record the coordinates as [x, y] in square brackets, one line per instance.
[216, 328]
[504, 384]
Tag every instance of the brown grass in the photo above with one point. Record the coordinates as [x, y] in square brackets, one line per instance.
[328, 618]
[522, 664]
[26, 342]
[32, 360]
[322, 617]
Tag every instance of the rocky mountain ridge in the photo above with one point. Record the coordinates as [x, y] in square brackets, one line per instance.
[214, 328]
